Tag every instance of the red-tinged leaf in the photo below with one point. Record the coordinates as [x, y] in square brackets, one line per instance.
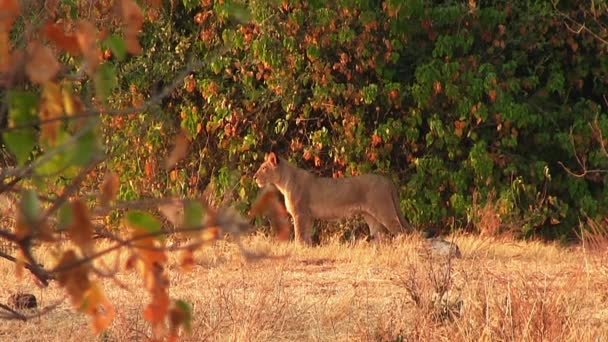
[180, 149]
[67, 42]
[86, 34]
[81, 229]
[74, 278]
[109, 188]
[133, 20]
[99, 308]
[9, 11]
[5, 51]
[42, 64]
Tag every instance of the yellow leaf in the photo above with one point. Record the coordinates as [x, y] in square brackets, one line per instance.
[50, 110]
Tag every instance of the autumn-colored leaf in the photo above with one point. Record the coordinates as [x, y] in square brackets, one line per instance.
[42, 64]
[51, 109]
[9, 11]
[180, 149]
[210, 234]
[5, 51]
[72, 277]
[96, 305]
[133, 20]
[180, 315]
[268, 203]
[86, 34]
[81, 228]
[67, 42]
[187, 259]
[109, 188]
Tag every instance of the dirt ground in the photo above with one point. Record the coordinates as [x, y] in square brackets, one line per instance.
[498, 290]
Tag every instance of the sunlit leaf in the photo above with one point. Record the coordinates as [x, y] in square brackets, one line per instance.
[22, 108]
[67, 42]
[81, 229]
[137, 219]
[42, 65]
[118, 46]
[180, 149]
[73, 277]
[50, 110]
[180, 315]
[86, 34]
[133, 20]
[98, 307]
[9, 11]
[109, 188]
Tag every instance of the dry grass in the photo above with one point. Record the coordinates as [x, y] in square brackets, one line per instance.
[499, 290]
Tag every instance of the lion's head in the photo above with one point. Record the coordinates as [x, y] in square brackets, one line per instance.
[268, 173]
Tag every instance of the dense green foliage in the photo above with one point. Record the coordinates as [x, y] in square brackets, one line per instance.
[460, 102]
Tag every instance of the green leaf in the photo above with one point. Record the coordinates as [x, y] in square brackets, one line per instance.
[30, 205]
[238, 12]
[64, 216]
[22, 107]
[105, 80]
[85, 148]
[193, 214]
[143, 220]
[187, 310]
[21, 143]
[118, 46]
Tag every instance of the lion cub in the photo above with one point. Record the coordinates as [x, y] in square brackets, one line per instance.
[308, 197]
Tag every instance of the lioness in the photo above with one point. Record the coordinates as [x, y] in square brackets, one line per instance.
[308, 197]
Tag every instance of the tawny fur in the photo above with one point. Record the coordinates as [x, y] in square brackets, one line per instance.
[308, 197]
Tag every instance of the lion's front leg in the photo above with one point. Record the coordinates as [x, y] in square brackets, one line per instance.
[303, 228]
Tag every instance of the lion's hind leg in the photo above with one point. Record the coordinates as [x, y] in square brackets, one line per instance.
[376, 229]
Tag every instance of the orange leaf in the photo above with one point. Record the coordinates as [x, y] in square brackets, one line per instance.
[50, 109]
[42, 65]
[9, 11]
[81, 229]
[99, 308]
[133, 19]
[187, 260]
[109, 188]
[86, 34]
[75, 279]
[66, 42]
[5, 51]
[179, 151]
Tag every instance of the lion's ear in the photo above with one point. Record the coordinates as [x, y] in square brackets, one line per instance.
[272, 158]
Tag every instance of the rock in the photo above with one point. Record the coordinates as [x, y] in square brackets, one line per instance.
[19, 301]
[441, 247]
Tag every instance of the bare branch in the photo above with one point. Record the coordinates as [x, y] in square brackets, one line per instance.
[38, 271]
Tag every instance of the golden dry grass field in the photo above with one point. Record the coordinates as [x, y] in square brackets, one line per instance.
[500, 290]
